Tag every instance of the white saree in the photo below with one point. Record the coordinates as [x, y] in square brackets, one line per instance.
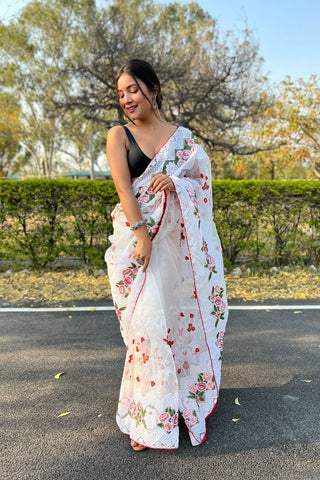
[173, 316]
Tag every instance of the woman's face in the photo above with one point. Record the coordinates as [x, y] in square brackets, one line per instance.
[131, 98]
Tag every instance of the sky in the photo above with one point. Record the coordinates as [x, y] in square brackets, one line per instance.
[287, 31]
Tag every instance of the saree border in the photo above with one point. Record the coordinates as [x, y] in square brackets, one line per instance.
[204, 330]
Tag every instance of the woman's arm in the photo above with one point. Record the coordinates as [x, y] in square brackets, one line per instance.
[117, 160]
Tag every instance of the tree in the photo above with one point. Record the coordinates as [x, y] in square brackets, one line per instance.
[300, 111]
[292, 124]
[85, 141]
[60, 58]
[34, 52]
[212, 84]
[10, 132]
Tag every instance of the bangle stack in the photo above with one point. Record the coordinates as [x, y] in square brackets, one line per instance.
[139, 224]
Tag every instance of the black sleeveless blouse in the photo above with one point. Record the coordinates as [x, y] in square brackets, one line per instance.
[137, 160]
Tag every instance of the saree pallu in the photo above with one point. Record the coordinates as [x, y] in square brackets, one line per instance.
[173, 316]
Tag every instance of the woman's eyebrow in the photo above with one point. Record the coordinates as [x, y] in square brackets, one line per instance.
[129, 86]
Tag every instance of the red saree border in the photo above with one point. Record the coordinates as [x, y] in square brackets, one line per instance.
[204, 330]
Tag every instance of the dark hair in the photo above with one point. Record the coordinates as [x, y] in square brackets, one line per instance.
[139, 69]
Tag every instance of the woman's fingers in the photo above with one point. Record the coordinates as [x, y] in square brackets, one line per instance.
[145, 265]
[161, 182]
[143, 262]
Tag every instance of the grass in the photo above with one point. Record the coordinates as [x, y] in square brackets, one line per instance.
[55, 287]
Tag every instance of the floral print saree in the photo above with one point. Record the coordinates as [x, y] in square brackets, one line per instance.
[173, 316]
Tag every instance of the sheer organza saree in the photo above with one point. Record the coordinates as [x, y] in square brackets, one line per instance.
[173, 316]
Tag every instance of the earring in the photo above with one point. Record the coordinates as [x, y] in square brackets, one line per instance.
[154, 105]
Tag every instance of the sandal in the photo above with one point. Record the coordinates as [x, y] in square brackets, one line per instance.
[136, 447]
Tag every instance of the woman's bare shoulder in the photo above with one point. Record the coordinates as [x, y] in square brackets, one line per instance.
[116, 132]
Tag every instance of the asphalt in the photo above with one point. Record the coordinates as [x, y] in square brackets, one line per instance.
[270, 363]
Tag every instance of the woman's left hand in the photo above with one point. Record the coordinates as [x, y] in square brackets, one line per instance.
[161, 182]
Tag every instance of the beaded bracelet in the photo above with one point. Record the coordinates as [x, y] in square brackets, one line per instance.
[139, 224]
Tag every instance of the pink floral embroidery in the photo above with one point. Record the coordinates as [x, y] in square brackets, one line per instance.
[218, 301]
[197, 390]
[219, 341]
[190, 145]
[152, 227]
[210, 262]
[190, 418]
[144, 195]
[122, 290]
[129, 275]
[193, 420]
[174, 419]
[144, 198]
[193, 198]
[119, 311]
[201, 386]
[163, 417]
[137, 413]
[168, 426]
[127, 281]
[219, 307]
[192, 389]
[168, 420]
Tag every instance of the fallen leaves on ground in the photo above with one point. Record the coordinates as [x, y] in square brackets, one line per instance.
[53, 287]
[299, 283]
[63, 414]
[63, 286]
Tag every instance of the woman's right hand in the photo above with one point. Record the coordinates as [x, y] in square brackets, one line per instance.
[144, 247]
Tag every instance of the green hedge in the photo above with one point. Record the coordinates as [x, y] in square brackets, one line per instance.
[279, 220]
[42, 220]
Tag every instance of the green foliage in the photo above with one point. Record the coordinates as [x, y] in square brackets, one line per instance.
[41, 220]
[44, 219]
[10, 130]
[274, 219]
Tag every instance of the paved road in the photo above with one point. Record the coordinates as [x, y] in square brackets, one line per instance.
[271, 362]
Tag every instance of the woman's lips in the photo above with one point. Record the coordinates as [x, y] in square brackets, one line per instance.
[132, 108]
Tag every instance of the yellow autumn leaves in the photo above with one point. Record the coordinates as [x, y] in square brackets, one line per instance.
[53, 287]
[298, 283]
[237, 403]
[56, 287]
[57, 376]
[64, 414]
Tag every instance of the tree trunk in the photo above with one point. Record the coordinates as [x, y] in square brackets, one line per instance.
[91, 156]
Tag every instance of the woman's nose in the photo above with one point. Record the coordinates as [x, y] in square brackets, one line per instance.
[127, 97]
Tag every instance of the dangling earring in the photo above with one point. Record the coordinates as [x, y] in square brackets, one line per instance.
[154, 105]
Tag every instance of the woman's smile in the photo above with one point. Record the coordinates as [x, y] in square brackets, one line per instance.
[131, 108]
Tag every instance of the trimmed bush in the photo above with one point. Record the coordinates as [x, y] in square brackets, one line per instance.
[42, 220]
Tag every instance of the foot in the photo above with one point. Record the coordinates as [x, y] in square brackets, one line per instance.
[136, 446]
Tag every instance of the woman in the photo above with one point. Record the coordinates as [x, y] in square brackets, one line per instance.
[165, 268]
